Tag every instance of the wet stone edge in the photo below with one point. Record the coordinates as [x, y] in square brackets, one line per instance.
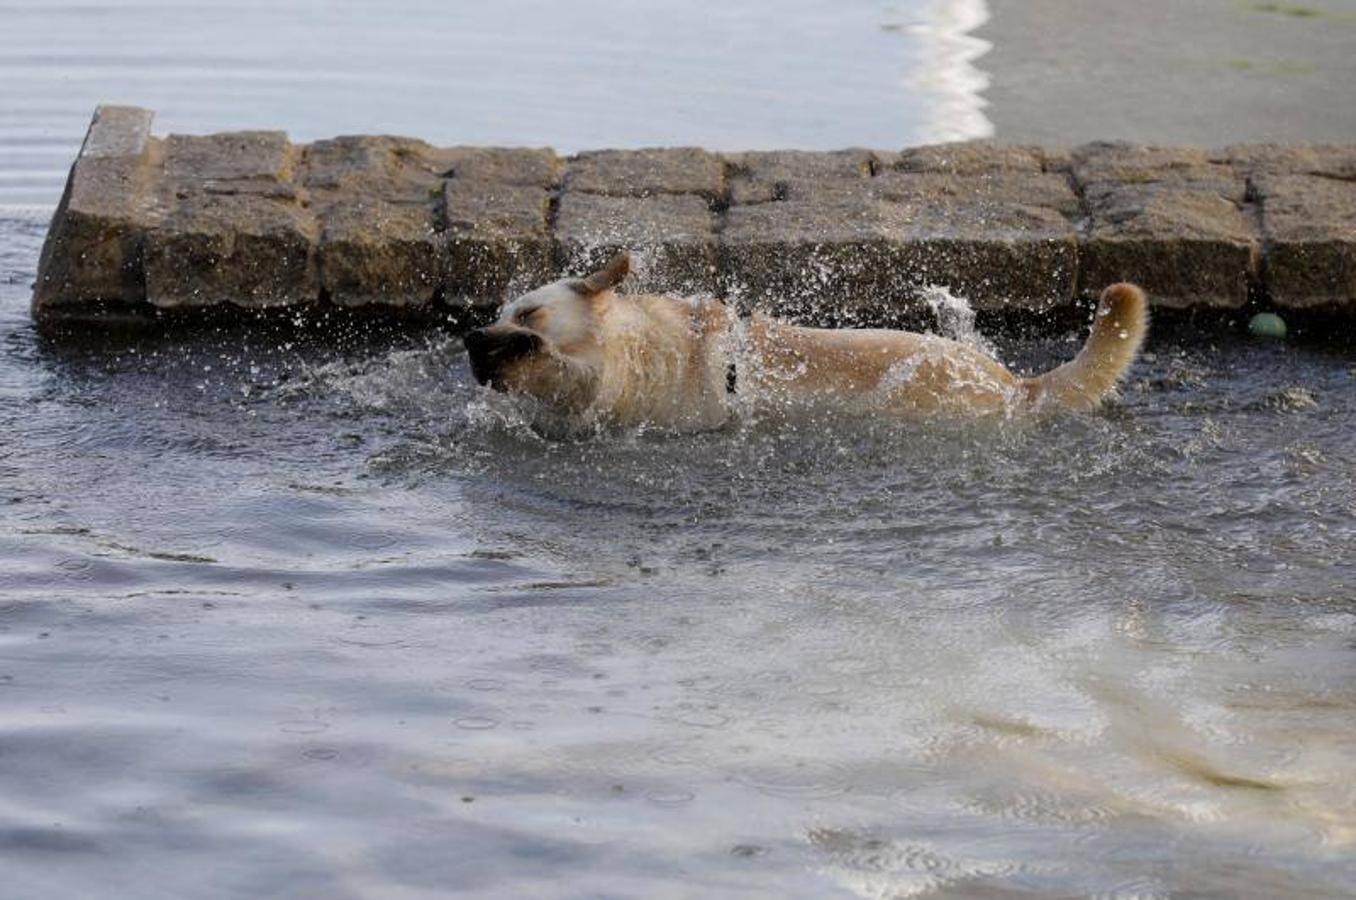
[181, 228]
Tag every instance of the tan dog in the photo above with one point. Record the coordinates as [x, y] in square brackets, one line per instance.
[599, 358]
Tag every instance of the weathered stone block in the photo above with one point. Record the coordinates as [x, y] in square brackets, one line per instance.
[873, 245]
[764, 177]
[642, 173]
[92, 255]
[969, 158]
[378, 253]
[1127, 165]
[1310, 227]
[398, 170]
[979, 196]
[503, 165]
[248, 219]
[1184, 243]
[999, 239]
[238, 249]
[1331, 160]
[1169, 219]
[117, 131]
[242, 155]
[498, 240]
[673, 234]
[835, 256]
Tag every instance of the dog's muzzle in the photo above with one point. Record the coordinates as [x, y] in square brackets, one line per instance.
[490, 352]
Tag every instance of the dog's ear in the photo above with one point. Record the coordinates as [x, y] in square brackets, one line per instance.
[609, 276]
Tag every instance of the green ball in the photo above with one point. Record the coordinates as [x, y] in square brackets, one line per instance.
[1267, 325]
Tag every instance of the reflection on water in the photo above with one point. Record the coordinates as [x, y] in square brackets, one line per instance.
[335, 623]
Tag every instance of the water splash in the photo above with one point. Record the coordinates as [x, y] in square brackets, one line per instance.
[955, 318]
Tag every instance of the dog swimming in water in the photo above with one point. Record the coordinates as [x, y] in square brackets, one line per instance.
[598, 358]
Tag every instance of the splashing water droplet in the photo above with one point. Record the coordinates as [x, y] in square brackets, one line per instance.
[955, 318]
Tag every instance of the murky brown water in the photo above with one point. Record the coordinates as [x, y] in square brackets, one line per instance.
[281, 617]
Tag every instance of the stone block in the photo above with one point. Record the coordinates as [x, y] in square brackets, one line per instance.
[830, 258]
[1330, 160]
[644, 173]
[1310, 226]
[397, 170]
[539, 168]
[233, 249]
[201, 160]
[378, 253]
[999, 239]
[969, 158]
[1185, 243]
[1126, 165]
[870, 247]
[498, 240]
[1170, 219]
[117, 131]
[673, 236]
[248, 219]
[764, 177]
[980, 197]
[91, 259]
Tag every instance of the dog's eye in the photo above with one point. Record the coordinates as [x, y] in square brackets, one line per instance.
[523, 315]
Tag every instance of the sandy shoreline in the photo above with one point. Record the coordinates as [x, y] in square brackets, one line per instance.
[1163, 71]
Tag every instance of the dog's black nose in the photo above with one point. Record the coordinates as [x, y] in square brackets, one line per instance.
[489, 352]
[476, 340]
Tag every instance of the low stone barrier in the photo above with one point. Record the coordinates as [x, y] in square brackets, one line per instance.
[250, 220]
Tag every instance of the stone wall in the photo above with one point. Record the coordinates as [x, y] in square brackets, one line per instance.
[250, 220]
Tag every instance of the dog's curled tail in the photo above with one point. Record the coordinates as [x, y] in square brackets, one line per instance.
[1117, 334]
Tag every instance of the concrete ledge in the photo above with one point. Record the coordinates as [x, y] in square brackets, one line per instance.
[394, 225]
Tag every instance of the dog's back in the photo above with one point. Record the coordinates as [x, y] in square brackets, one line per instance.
[910, 374]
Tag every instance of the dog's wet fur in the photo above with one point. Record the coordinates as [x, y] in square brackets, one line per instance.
[596, 357]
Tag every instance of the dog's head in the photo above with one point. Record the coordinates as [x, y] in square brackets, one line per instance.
[546, 342]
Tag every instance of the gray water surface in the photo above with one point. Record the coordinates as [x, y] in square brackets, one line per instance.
[278, 618]
[722, 74]
[292, 615]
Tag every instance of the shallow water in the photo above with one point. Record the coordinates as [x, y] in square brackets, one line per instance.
[290, 616]
[325, 621]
